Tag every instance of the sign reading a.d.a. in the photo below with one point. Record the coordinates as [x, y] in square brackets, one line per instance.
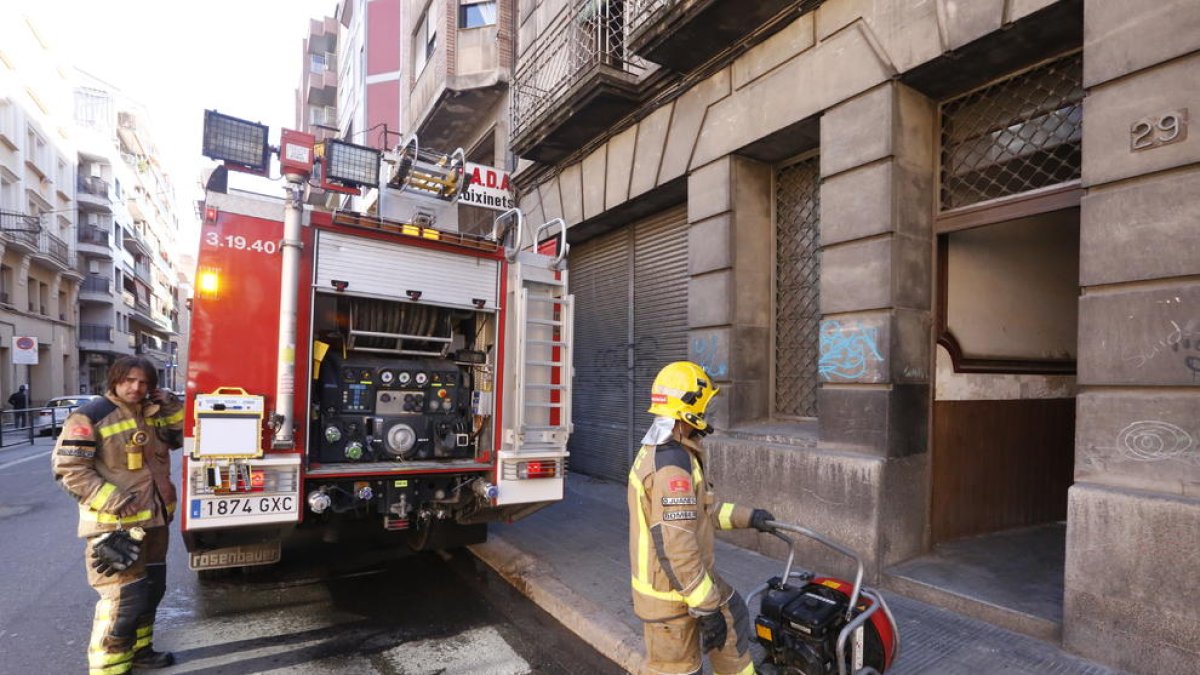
[25, 350]
[488, 187]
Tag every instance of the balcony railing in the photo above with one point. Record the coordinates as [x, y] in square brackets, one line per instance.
[586, 34]
[94, 332]
[128, 298]
[94, 235]
[96, 284]
[20, 228]
[684, 34]
[56, 249]
[93, 185]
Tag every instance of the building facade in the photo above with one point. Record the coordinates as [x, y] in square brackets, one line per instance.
[459, 64]
[370, 80]
[88, 225]
[939, 256]
[317, 95]
[128, 240]
[39, 283]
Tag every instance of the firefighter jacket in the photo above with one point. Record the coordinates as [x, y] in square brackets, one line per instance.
[672, 515]
[109, 450]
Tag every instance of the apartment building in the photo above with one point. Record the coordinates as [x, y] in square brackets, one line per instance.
[128, 234]
[38, 279]
[317, 95]
[369, 77]
[458, 69]
[939, 256]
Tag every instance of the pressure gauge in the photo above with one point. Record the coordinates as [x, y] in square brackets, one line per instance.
[387, 376]
[404, 377]
[421, 379]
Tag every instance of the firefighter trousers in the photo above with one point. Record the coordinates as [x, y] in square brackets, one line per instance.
[124, 620]
[673, 646]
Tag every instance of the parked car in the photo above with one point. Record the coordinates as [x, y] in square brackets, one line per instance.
[49, 420]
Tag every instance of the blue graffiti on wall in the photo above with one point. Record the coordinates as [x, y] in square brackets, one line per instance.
[847, 350]
[708, 356]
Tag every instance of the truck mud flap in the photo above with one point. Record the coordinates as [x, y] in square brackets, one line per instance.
[262, 553]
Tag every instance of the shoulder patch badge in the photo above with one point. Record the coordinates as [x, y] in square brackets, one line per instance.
[679, 485]
[82, 430]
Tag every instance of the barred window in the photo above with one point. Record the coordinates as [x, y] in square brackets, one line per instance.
[797, 288]
[1015, 135]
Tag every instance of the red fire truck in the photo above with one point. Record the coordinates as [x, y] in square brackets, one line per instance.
[347, 366]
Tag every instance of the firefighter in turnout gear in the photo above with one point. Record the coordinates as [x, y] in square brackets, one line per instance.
[686, 608]
[113, 457]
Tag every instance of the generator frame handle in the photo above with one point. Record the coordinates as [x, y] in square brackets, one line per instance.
[858, 573]
[877, 601]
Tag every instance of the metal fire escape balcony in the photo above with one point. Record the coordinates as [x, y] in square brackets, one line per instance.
[575, 80]
[683, 34]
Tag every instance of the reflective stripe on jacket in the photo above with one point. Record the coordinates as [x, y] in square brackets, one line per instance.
[672, 515]
[108, 450]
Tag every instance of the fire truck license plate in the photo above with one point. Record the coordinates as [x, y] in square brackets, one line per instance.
[213, 507]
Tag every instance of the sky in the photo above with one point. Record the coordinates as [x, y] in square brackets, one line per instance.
[179, 57]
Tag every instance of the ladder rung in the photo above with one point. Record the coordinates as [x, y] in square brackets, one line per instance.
[544, 298]
[544, 322]
[535, 404]
[558, 428]
[552, 364]
[552, 343]
[558, 387]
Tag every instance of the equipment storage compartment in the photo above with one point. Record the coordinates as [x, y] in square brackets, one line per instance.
[400, 381]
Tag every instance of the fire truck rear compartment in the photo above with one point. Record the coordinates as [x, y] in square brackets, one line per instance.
[399, 382]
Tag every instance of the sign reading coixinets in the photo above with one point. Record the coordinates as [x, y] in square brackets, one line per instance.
[488, 187]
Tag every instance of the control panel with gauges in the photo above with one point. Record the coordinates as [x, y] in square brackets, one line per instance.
[379, 409]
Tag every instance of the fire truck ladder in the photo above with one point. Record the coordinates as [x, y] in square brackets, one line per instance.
[544, 314]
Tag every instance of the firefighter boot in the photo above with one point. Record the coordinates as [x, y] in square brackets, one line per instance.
[148, 659]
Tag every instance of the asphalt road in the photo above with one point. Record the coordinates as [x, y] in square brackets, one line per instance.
[344, 607]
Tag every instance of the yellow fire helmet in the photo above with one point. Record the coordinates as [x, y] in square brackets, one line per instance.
[682, 391]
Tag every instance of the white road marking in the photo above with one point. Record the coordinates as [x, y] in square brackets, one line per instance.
[23, 460]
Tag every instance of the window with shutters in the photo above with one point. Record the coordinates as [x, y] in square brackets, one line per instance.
[797, 289]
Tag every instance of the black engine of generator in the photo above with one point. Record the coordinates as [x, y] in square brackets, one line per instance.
[372, 409]
[799, 627]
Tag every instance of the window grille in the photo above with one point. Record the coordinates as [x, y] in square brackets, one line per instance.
[797, 288]
[1015, 135]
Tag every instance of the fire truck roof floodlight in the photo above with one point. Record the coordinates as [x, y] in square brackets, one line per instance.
[351, 164]
[240, 144]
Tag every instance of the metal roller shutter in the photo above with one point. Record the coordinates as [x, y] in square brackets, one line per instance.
[630, 289]
[660, 327]
[600, 279]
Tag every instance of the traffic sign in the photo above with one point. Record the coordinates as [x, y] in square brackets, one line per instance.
[25, 350]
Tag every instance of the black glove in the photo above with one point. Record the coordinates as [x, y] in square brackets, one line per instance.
[114, 552]
[759, 518]
[713, 631]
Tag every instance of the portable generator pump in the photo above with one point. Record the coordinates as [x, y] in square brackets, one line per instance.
[812, 625]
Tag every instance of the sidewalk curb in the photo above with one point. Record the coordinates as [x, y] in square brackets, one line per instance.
[581, 616]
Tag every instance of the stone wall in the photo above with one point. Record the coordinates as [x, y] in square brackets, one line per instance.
[1131, 591]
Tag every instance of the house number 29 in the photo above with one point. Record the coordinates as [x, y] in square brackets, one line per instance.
[1155, 130]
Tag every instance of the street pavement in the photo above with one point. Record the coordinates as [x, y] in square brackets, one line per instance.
[573, 559]
[350, 607]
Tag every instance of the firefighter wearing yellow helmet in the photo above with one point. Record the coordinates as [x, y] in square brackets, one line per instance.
[685, 607]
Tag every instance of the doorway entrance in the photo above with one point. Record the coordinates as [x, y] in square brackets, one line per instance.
[1003, 411]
